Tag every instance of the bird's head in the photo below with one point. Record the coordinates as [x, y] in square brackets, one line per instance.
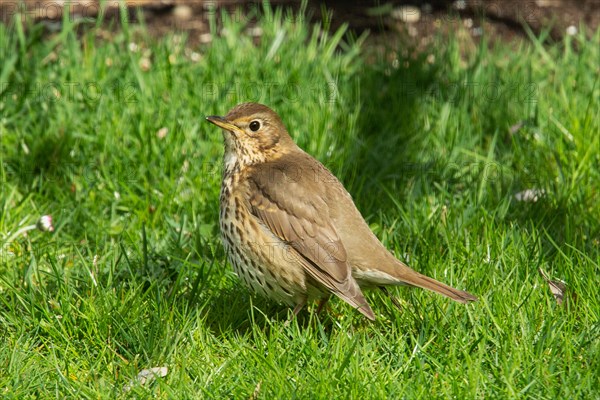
[253, 133]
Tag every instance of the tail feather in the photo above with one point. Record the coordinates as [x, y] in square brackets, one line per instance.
[428, 283]
[403, 274]
[425, 282]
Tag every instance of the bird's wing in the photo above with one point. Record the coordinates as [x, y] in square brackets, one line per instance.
[289, 203]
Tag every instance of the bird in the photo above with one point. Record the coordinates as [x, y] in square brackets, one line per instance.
[291, 230]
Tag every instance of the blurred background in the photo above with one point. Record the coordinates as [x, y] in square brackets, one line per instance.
[504, 20]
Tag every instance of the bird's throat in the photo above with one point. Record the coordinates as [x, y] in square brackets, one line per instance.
[231, 164]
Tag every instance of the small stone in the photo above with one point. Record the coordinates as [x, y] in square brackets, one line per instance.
[407, 14]
[183, 12]
[255, 31]
[459, 5]
[205, 38]
[195, 57]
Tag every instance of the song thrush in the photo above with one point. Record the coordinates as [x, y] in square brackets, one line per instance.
[290, 229]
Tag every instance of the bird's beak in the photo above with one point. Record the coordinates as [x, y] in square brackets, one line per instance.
[223, 123]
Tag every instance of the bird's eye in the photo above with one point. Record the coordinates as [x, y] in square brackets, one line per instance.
[254, 126]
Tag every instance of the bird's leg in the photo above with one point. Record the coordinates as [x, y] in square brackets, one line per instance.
[322, 303]
[297, 309]
[394, 300]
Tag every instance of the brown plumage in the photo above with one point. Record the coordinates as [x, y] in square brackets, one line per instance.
[290, 229]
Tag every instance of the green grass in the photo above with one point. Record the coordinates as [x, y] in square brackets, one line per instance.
[135, 277]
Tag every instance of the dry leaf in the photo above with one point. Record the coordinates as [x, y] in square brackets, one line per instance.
[256, 392]
[162, 132]
[558, 288]
[146, 376]
[530, 195]
[516, 127]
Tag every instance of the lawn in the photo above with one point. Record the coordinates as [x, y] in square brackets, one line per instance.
[476, 166]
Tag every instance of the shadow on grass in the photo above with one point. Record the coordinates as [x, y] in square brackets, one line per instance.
[388, 130]
[405, 96]
[236, 310]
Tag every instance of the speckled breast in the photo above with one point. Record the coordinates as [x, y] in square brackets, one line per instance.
[257, 257]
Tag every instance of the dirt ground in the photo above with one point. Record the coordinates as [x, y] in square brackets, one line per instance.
[499, 20]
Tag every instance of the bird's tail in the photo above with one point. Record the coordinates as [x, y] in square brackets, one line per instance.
[428, 283]
[413, 278]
